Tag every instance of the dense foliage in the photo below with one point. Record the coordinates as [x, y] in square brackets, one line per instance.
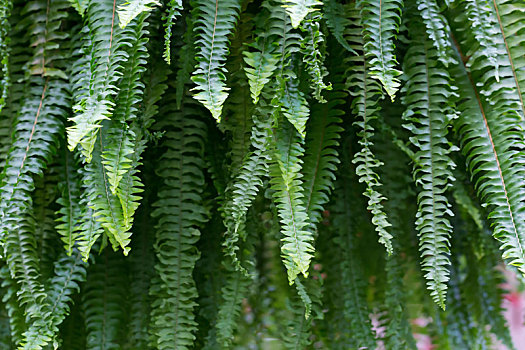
[259, 174]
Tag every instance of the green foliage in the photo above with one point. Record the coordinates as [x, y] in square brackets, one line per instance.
[216, 201]
[428, 116]
[216, 21]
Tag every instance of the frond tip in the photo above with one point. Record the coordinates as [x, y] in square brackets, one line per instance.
[216, 21]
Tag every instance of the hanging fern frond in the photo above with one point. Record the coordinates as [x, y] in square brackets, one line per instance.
[186, 61]
[70, 212]
[436, 28]
[262, 62]
[180, 213]
[102, 302]
[174, 10]
[297, 249]
[311, 48]
[215, 23]
[487, 131]
[483, 25]
[380, 21]
[506, 14]
[107, 42]
[365, 106]
[428, 117]
[242, 190]
[321, 155]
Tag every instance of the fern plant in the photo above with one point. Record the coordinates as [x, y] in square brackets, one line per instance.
[284, 174]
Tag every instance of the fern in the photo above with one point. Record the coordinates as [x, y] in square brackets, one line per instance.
[505, 13]
[321, 154]
[428, 116]
[106, 44]
[486, 145]
[179, 214]
[379, 33]
[70, 212]
[436, 28]
[286, 181]
[262, 62]
[313, 56]
[216, 21]
[102, 302]
[174, 9]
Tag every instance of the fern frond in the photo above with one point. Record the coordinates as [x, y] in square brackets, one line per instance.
[69, 272]
[174, 10]
[492, 145]
[506, 13]
[107, 41]
[186, 60]
[36, 135]
[216, 21]
[428, 117]
[353, 306]
[261, 63]
[380, 21]
[311, 48]
[436, 28]
[242, 190]
[321, 155]
[365, 105]
[479, 14]
[69, 214]
[180, 213]
[102, 302]
[15, 313]
[299, 9]
[297, 249]
[132, 8]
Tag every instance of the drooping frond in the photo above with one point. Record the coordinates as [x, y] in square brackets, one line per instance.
[70, 212]
[36, 135]
[321, 154]
[299, 9]
[132, 8]
[428, 117]
[297, 249]
[174, 10]
[69, 272]
[483, 25]
[242, 190]
[507, 13]
[262, 61]
[436, 28]
[492, 147]
[312, 50]
[102, 302]
[380, 20]
[186, 60]
[366, 94]
[106, 43]
[179, 213]
[215, 23]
